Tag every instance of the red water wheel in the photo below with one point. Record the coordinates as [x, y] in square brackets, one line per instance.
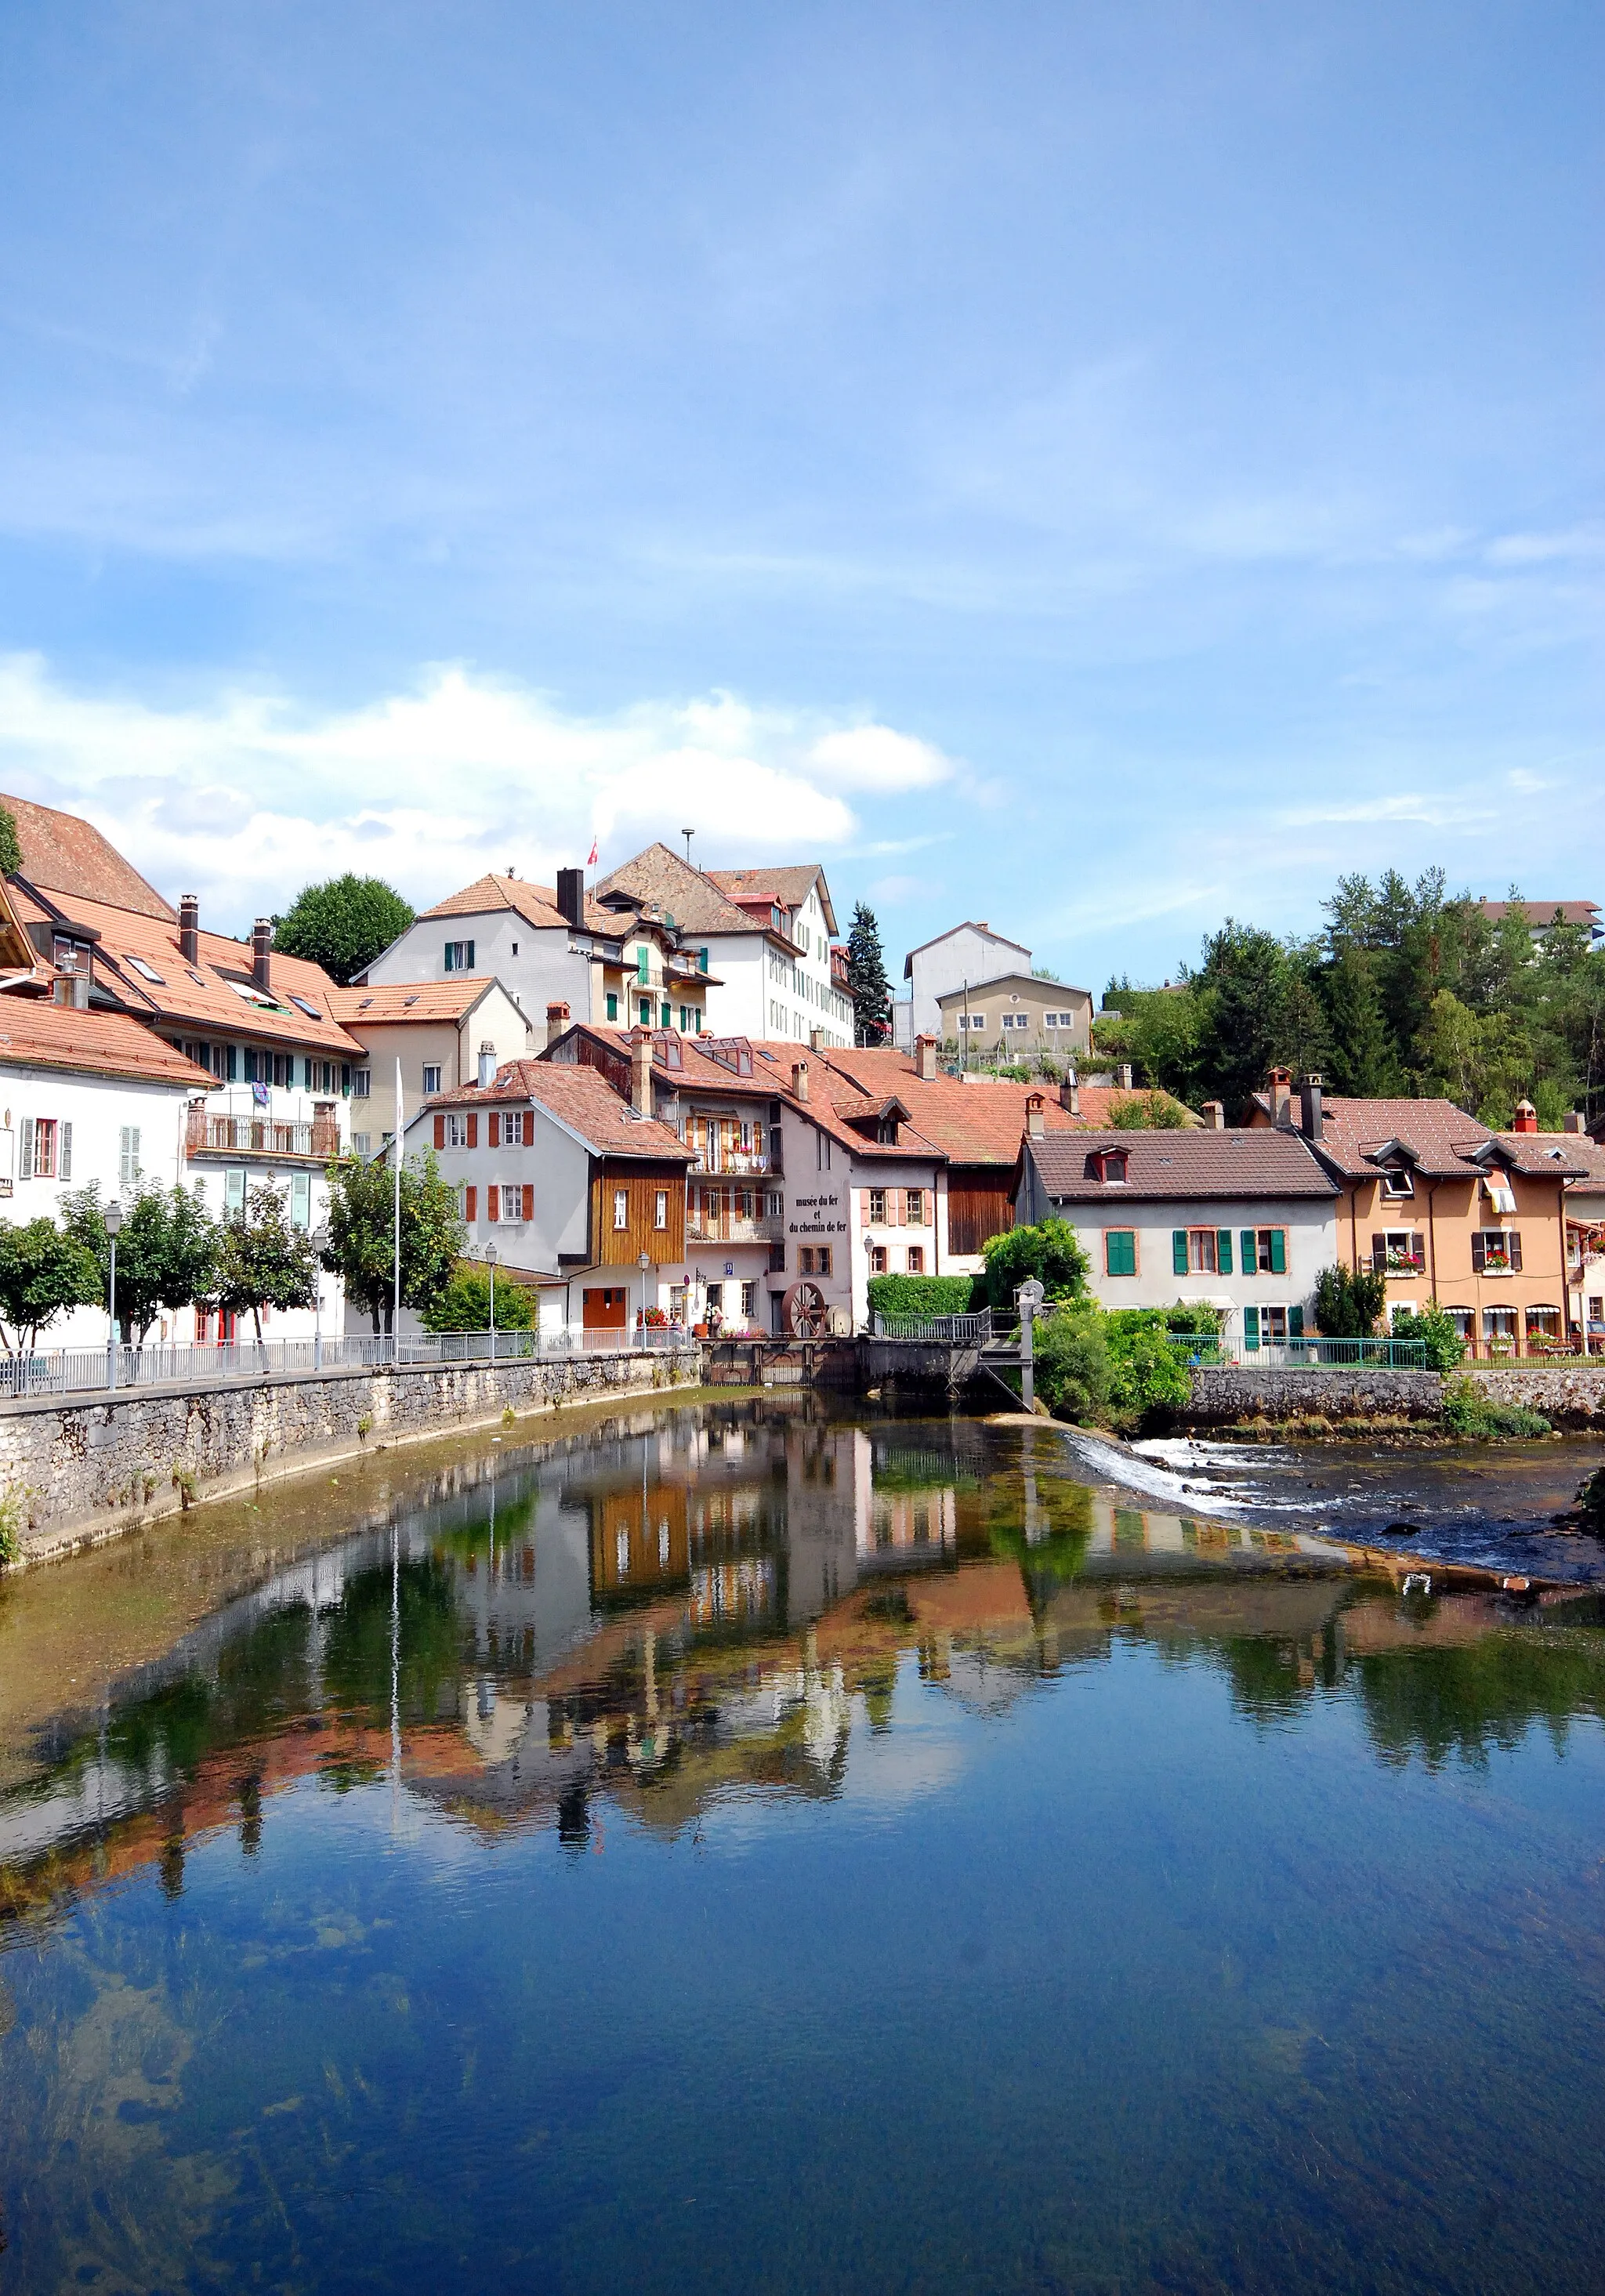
[806, 1316]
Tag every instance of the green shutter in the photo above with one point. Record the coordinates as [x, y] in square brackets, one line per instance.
[1295, 1323]
[1178, 1250]
[1121, 1251]
[1278, 1251]
[1250, 1258]
[1250, 1327]
[1223, 1252]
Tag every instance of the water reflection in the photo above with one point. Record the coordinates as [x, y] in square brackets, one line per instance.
[706, 1603]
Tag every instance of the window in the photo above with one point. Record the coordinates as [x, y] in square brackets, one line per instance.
[1398, 1181]
[301, 1003]
[458, 956]
[1017, 1020]
[612, 1005]
[360, 1143]
[877, 1259]
[1499, 1323]
[916, 1260]
[815, 1259]
[1398, 1251]
[46, 1149]
[914, 1215]
[621, 1210]
[455, 1134]
[1109, 1165]
[128, 1156]
[432, 1079]
[1272, 1325]
[748, 1301]
[1264, 1251]
[1544, 1323]
[1497, 1251]
[972, 1021]
[1119, 1250]
[1201, 1250]
[877, 1207]
[661, 1208]
[146, 971]
[283, 1071]
[515, 948]
[362, 1083]
[301, 1200]
[646, 1012]
[234, 1196]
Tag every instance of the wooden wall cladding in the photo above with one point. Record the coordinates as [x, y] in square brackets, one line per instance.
[641, 1185]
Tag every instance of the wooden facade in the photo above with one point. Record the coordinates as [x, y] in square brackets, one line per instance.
[641, 1183]
[980, 1204]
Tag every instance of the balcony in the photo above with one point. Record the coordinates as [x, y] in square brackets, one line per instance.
[739, 1164]
[723, 1227]
[258, 1136]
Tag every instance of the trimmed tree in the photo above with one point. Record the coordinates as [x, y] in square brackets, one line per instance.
[43, 1272]
[342, 924]
[264, 1260]
[867, 984]
[464, 1305]
[1050, 1252]
[362, 1250]
[165, 1254]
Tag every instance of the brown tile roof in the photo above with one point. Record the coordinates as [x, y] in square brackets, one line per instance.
[790, 886]
[490, 894]
[978, 1123]
[411, 1000]
[578, 1097]
[1000, 980]
[1248, 1162]
[201, 998]
[1547, 1153]
[1543, 912]
[63, 854]
[1442, 1140]
[659, 879]
[35, 1033]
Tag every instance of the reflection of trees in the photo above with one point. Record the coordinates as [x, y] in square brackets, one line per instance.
[1469, 1699]
[1045, 1523]
[435, 1641]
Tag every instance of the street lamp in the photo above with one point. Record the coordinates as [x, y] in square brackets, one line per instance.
[490, 1262]
[643, 1263]
[112, 1220]
[319, 1241]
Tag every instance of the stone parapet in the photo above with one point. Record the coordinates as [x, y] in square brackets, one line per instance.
[83, 1471]
[1224, 1395]
[1571, 1395]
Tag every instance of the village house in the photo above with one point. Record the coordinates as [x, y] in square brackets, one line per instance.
[963, 953]
[1444, 1209]
[439, 1031]
[1585, 1234]
[1239, 1220]
[1014, 1015]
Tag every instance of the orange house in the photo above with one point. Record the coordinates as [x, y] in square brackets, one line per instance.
[1446, 1210]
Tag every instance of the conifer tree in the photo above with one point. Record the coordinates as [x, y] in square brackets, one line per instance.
[867, 983]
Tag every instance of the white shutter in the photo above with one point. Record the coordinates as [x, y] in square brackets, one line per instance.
[234, 1195]
[25, 1161]
[301, 1200]
[64, 1152]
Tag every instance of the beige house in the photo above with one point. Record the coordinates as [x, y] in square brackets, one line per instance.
[440, 1031]
[1017, 1013]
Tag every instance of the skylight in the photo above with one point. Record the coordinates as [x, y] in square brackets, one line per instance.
[311, 1010]
[146, 971]
[252, 996]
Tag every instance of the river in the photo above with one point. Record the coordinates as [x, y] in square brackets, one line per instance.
[741, 1846]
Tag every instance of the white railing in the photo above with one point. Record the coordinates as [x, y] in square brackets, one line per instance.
[74, 1371]
[704, 1227]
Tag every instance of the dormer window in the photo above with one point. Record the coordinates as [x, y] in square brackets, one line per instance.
[1398, 1181]
[1108, 1164]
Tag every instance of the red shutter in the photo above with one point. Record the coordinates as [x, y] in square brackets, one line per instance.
[492, 1204]
[439, 1131]
[530, 1127]
[528, 1201]
[473, 1131]
[494, 1134]
[470, 1204]
[1479, 1252]
[1514, 1240]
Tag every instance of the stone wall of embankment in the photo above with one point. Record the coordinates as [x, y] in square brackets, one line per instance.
[83, 1469]
[1570, 1398]
[1230, 1394]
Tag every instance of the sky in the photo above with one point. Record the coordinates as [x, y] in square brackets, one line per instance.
[1091, 468]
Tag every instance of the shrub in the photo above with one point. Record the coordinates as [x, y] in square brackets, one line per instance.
[1146, 1374]
[13, 1522]
[1469, 1411]
[924, 1295]
[464, 1305]
[1445, 1349]
[1148, 1112]
[1050, 1252]
[1073, 1371]
[1349, 1302]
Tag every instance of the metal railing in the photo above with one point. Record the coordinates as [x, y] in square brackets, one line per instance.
[735, 1163]
[1305, 1355]
[76, 1370]
[207, 1134]
[706, 1227]
[936, 1330]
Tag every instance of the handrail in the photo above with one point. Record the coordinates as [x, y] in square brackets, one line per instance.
[936, 1330]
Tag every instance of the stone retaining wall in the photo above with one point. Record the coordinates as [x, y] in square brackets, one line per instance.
[85, 1470]
[1225, 1394]
[1574, 1398]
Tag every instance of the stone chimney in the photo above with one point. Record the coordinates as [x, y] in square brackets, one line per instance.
[261, 949]
[189, 929]
[800, 1081]
[1123, 1076]
[488, 1066]
[641, 1072]
[1527, 1117]
[1309, 1107]
[1215, 1115]
[925, 1059]
[1574, 1120]
[1070, 1094]
[1036, 1124]
[571, 897]
[816, 1040]
[1281, 1090]
[557, 1020]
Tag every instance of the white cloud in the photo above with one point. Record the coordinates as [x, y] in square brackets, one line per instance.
[243, 797]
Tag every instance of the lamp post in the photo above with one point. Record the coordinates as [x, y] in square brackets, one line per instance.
[643, 1263]
[112, 1220]
[490, 1262]
[319, 1240]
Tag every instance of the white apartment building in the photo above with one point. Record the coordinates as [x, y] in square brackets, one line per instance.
[963, 955]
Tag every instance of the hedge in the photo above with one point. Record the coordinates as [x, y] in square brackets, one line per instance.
[923, 1296]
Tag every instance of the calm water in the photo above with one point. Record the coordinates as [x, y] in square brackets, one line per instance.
[741, 1850]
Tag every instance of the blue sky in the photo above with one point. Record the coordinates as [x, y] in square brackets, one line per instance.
[1090, 467]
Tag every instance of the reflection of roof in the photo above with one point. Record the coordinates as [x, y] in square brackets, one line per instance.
[63, 854]
[411, 1000]
[36, 1034]
[578, 1097]
[1195, 1165]
[1007, 980]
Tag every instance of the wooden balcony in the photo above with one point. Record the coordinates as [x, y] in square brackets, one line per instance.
[723, 1227]
[738, 1164]
[262, 1137]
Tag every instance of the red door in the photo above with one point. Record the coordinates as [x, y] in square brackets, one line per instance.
[605, 1309]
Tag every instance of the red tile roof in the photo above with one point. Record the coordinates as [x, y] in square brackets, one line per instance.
[1442, 1140]
[790, 886]
[1244, 1163]
[63, 853]
[578, 1097]
[489, 895]
[976, 1123]
[394, 1001]
[35, 1033]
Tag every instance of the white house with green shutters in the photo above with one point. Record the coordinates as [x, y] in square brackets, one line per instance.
[1191, 1216]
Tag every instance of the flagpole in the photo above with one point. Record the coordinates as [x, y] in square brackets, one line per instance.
[396, 1311]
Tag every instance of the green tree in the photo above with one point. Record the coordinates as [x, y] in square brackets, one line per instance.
[1070, 1362]
[342, 924]
[1147, 1111]
[362, 1232]
[1262, 1011]
[165, 1255]
[11, 851]
[1349, 1302]
[464, 1304]
[1050, 1251]
[264, 1260]
[1362, 1062]
[867, 984]
[1436, 1330]
[43, 1272]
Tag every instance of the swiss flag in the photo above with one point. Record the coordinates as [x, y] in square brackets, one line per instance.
[592, 857]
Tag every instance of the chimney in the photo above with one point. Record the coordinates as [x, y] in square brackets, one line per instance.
[571, 897]
[1282, 1096]
[557, 1020]
[488, 1066]
[261, 946]
[1574, 1120]
[1035, 1126]
[189, 929]
[1215, 1116]
[1527, 1117]
[1123, 1076]
[816, 1040]
[1070, 1094]
[1309, 1108]
[925, 1058]
[800, 1081]
[641, 1072]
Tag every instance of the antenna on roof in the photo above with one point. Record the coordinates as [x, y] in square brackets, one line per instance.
[688, 834]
